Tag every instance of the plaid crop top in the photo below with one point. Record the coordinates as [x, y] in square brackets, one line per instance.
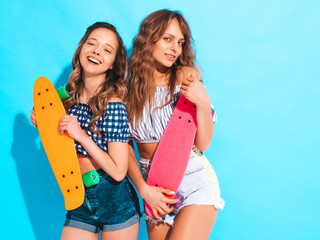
[113, 125]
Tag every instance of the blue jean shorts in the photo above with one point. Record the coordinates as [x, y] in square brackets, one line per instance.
[199, 185]
[108, 206]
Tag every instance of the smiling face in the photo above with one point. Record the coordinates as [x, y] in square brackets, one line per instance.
[98, 52]
[169, 47]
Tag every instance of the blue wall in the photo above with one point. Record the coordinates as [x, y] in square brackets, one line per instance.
[260, 63]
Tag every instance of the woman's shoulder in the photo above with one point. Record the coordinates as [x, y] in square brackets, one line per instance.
[115, 100]
[184, 71]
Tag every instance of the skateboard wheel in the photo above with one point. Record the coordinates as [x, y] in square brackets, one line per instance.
[63, 93]
[91, 178]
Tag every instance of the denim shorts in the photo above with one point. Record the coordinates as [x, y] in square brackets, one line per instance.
[108, 206]
[199, 185]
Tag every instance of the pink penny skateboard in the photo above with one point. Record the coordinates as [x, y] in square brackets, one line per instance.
[60, 149]
[172, 154]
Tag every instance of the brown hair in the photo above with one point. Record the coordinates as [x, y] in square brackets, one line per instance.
[113, 86]
[141, 86]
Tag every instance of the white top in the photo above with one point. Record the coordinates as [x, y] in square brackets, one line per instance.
[153, 123]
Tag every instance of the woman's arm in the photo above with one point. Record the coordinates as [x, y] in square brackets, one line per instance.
[154, 196]
[193, 89]
[115, 163]
[33, 118]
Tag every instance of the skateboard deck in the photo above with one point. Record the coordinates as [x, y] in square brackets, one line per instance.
[60, 149]
[171, 157]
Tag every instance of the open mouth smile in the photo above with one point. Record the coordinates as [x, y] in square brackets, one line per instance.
[170, 56]
[94, 60]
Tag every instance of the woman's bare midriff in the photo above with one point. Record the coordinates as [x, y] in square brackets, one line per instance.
[146, 150]
[86, 165]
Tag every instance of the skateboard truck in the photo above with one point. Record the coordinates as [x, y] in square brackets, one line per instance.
[175, 206]
[91, 178]
[180, 200]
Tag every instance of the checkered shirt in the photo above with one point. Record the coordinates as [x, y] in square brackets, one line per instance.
[113, 125]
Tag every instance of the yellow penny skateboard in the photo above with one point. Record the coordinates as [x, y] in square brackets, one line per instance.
[60, 149]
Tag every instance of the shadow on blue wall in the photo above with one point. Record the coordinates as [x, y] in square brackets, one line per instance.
[64, 77]
[41, 193]
[42, 196]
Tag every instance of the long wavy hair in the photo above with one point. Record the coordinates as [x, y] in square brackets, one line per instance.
[141, 85]
[113, 86]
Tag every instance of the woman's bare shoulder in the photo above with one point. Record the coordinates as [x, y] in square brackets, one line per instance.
[115, 99]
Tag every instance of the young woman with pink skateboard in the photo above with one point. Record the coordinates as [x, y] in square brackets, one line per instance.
[161, 67]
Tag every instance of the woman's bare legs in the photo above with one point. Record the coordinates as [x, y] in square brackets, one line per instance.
[192, 222]
[160, 231]
[129, 233]
[70, 233]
